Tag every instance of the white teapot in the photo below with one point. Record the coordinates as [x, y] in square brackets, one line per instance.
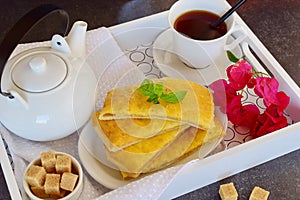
[47, 93]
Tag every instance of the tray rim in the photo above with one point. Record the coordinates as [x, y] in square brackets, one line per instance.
[172, 192]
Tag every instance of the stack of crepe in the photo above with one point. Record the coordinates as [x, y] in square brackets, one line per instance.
[141, 137]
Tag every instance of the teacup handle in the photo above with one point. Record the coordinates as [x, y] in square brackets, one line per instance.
[19, 30]
[238, 40]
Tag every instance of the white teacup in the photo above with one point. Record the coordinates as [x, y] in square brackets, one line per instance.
[202, 53]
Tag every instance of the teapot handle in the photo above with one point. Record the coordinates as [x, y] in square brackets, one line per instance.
[23, 26]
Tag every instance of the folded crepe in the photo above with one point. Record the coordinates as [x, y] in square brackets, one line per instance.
[135, 157]
[182, 146]
[190, 141]
[196, 109]
[121, 133]
[140, 136]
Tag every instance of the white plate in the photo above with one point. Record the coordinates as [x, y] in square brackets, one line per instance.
[170, 64]
[103, 174]
[94, 145]
[93, 158]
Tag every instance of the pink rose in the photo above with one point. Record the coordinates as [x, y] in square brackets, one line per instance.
[267, 88]
[265, 124]
[244, 115]
[239, 74]
[222, 93]
[227, 97]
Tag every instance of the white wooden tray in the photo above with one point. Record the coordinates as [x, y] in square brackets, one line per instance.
[239, 157]
[139, 35]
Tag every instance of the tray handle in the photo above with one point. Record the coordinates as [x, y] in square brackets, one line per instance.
[252, 59]
[8, 173]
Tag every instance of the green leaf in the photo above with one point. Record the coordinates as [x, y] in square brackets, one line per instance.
[174, 97]
[232, 57]
[155, 91]
[153, 98]
[158, 89]
[147, 88]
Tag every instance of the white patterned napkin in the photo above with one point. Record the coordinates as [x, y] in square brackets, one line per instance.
[113, 69]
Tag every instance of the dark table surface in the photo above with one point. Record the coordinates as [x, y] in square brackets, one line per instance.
[275, 22]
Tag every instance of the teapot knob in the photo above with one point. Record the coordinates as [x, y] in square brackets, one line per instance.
[38, 64]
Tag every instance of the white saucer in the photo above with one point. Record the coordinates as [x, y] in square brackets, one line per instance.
[170, 64]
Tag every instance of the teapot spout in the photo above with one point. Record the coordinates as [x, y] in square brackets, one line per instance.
[76, 39]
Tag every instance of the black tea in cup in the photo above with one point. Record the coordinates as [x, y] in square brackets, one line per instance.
[196, 24]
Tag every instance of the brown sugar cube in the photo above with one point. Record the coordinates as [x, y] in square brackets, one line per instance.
[228, 192]
[68, 181]
[48, 160]
[52, 184]
[63, 164]
[62, 194]
[259, 194]
[39, 192]
[35, 176]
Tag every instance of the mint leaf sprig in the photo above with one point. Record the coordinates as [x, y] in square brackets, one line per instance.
[155, 92]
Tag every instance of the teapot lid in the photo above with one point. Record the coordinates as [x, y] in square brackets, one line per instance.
[39, 72]
[14, 36]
